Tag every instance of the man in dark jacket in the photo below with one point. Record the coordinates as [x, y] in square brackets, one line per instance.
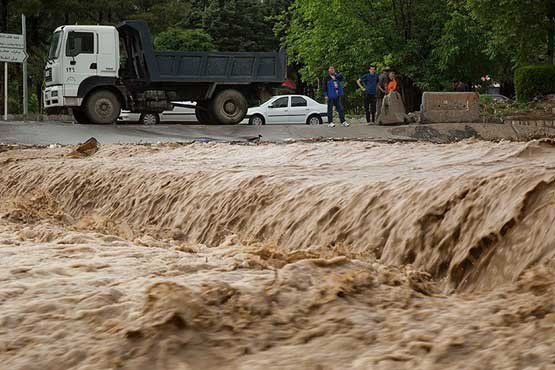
[333, 92]
[368, 83]
[383, 81]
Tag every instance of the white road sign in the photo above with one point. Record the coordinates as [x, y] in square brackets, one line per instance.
[11, 41]
[12, 55]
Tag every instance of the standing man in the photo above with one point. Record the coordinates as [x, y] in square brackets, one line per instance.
[383, 81]
[333, 91]
[369, 84]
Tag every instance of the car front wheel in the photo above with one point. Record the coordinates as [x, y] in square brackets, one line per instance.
[257, 120]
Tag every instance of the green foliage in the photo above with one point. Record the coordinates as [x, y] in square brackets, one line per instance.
[534, 80]
[239, 25]
[521, 26]
[184, 40]
[161, 15]
[351, 34]
[459, 51]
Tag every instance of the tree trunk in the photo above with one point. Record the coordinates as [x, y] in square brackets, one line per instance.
[551, 42]
[4, 16]
[412, 95]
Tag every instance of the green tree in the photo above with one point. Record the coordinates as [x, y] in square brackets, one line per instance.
[239, 25]
[161, 15]
[184, 40]
[525, 26]
[460, 51]
[351, 34]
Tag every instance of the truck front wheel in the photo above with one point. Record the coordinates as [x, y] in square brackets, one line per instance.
[229, 107]
[103, 107]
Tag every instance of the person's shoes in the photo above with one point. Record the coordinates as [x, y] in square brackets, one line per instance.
[345, 124]
[331, 124]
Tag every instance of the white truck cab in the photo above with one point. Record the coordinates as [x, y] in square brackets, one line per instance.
[77, 53]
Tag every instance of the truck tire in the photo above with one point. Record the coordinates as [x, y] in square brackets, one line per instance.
[79, 116]
[103, 107]
[229, 107]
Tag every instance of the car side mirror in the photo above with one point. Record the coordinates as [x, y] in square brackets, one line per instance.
[271, 106]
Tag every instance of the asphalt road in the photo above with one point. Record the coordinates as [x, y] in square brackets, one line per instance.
[45, 133]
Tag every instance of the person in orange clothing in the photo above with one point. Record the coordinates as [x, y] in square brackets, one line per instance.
[392, 85]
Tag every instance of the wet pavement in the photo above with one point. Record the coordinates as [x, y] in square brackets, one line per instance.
[57, 132]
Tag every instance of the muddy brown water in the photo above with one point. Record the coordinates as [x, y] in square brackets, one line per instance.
[345, 255]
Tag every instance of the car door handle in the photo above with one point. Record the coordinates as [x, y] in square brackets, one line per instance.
[93, 66]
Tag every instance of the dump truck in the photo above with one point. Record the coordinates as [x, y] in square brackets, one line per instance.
[99, 70]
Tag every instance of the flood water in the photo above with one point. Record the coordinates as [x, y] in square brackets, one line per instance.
[349, 255]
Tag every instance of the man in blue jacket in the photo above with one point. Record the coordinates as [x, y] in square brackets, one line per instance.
[368, 83]
[333, 91]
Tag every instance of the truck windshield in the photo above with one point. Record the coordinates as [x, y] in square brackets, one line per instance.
[54, 49]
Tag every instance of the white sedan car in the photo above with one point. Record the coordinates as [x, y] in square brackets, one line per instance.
[182, 112]
[294, 109]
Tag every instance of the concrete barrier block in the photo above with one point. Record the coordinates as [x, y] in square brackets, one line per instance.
[447, 107]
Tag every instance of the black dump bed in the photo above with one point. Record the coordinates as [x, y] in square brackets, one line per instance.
[143, 63]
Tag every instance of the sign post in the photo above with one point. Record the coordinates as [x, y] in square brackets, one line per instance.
[12, 50]
[25, 92]
[5, 91]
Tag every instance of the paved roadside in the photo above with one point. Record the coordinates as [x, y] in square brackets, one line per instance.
[58, 132]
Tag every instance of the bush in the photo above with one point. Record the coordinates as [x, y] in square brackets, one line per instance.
[534, 80]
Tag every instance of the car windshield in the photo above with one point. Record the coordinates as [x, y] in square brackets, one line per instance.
[54, 50]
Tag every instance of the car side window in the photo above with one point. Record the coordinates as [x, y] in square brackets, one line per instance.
[80, 43]
[281, 103]
[297, 101]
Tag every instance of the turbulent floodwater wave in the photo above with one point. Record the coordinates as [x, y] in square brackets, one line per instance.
[317, 256]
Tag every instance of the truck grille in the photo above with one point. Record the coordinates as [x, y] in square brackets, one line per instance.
[48, 74]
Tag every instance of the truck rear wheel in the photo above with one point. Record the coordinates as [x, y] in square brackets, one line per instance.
[229, 107]
[79, 116]
[103, 107]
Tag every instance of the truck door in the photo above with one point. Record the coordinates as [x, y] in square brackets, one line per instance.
[80, 59]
